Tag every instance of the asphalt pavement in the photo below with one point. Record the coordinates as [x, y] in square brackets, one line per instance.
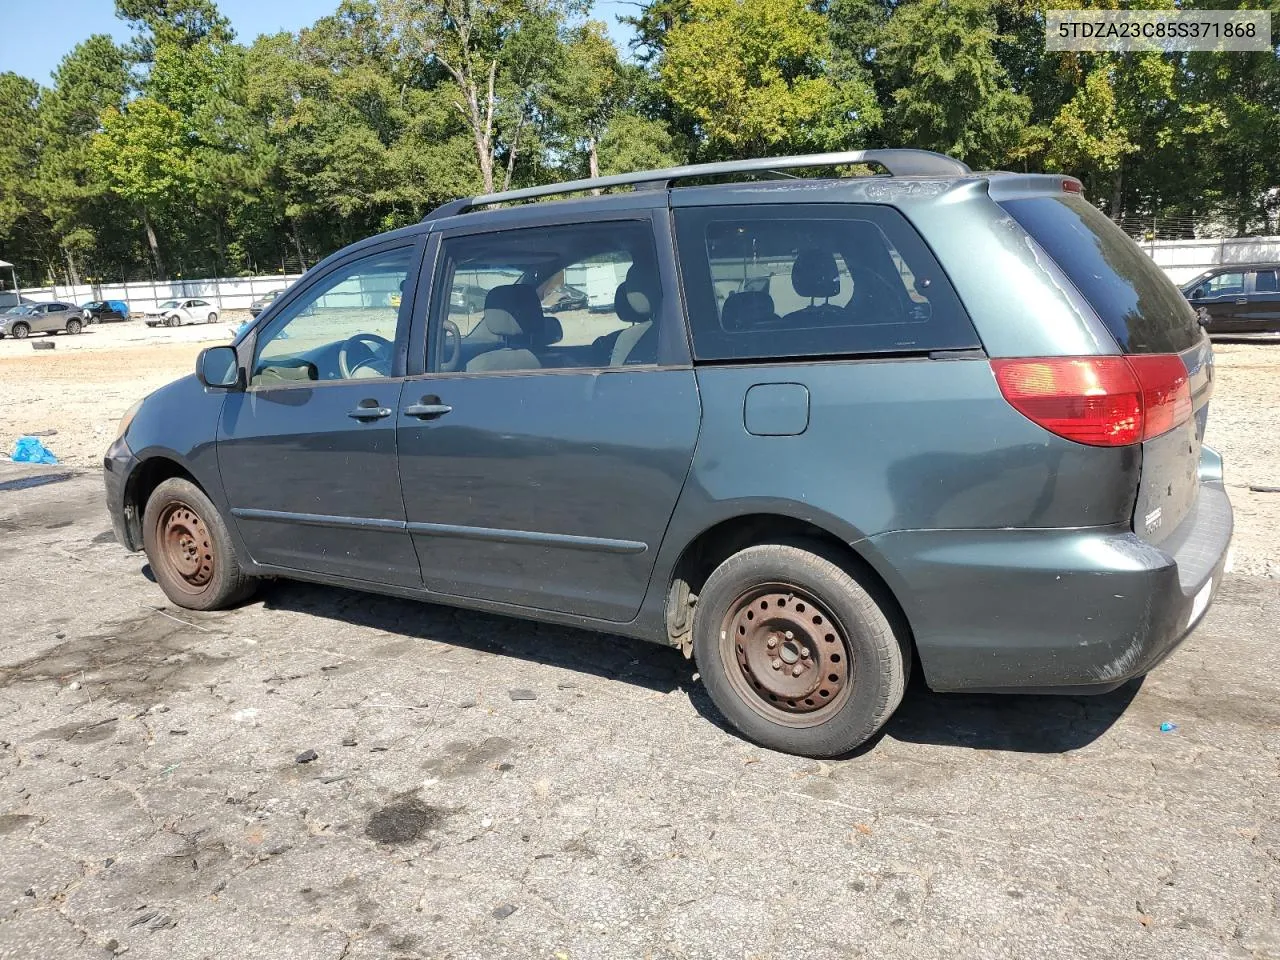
[326, 774]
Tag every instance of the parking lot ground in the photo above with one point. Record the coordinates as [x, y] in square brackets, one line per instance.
[154, 800]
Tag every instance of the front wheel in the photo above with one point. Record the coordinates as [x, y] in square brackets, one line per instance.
[20, 331]
[795, 652]
[190, 549]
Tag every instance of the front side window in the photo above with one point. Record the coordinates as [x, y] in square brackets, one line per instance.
[1225, 285]
[342, 328]
[574, 296]
[789, 281]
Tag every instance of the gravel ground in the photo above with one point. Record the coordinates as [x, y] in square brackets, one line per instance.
[484, 787]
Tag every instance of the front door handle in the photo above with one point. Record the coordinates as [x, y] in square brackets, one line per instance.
[427, 410]
[1242, 299]
[370, 412]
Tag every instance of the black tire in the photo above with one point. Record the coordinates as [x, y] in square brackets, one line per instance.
[833, 634]
[213, 317]
[74, 326]
[190, 549]
[20, 331]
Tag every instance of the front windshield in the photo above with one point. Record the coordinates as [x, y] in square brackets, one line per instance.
[168, 304]
[23, 310]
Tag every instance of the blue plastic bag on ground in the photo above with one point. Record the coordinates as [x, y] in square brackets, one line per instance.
[31, 450]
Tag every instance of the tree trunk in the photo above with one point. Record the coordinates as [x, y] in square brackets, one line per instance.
[221, 252]
[297, 242]
[73, 275]
[593, 161]
[1117, 196]
[154, 244]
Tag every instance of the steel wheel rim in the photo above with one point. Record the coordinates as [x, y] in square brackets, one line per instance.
[786, 655]
[185, 547]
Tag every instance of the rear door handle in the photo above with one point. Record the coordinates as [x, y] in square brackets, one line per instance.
[369, 413]
[427, 411]
[1242, 299]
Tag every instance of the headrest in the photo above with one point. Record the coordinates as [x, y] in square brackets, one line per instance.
[550, 332]
[512, 310]
[748, 308]
[638, 295]
[815, 274]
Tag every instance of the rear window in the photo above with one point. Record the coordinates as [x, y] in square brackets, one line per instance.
[813, 280]
[1139, 305]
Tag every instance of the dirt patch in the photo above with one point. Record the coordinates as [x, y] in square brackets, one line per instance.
[143, 659]
[403, 822]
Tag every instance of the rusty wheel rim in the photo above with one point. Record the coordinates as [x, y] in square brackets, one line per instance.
[786, 655]
[186, 548]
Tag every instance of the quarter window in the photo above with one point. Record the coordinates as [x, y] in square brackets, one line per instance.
[342, 328]
[581, 296]
[1265, 282]
[787, 281]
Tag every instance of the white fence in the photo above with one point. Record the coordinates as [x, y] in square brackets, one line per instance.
[1184, 259]
[1180, 259]
[228, 293]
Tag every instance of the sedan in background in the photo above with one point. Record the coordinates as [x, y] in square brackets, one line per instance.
[50, 318]
[98, 310]
[263, 302]
[1238, 300]
[176, 313]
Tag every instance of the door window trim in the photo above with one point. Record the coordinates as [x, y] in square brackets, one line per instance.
[247, 348]
[673, 343]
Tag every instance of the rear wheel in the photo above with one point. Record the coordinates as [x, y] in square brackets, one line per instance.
[213, 317]
[190, 549]
[795, 652]
[20, 331]
[74, 326]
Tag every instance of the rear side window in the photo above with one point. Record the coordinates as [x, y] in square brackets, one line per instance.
[1139, 305]
[813, 280]
[1265, 282]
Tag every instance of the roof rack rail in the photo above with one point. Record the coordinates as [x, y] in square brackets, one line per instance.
[899, 163]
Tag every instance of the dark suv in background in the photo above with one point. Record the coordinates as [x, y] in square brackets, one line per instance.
[820, 430]
[1238, 300]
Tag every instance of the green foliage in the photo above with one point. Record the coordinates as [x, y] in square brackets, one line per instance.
[187, 151]
[756, 75]
[949, 90]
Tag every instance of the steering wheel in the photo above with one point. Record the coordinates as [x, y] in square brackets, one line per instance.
[450, 332]
[357, 356]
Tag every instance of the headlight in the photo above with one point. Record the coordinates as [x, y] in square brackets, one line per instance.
[128, 419]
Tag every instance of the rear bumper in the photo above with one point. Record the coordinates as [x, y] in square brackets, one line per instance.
[1072, 610]
[117, 465]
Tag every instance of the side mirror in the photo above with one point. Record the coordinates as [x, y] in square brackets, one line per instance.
[218, 367]
[1196, 294]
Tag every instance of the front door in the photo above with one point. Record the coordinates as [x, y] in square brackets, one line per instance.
[543, 451]
[1220, 302]
[307, 452]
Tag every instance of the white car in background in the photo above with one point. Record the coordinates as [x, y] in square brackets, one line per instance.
[175, 313]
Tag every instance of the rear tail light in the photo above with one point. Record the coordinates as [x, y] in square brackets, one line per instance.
[1099, 401]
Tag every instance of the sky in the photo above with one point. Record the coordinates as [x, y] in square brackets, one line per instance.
[36, 34]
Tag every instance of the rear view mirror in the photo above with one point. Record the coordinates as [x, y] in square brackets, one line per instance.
[218, 367]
